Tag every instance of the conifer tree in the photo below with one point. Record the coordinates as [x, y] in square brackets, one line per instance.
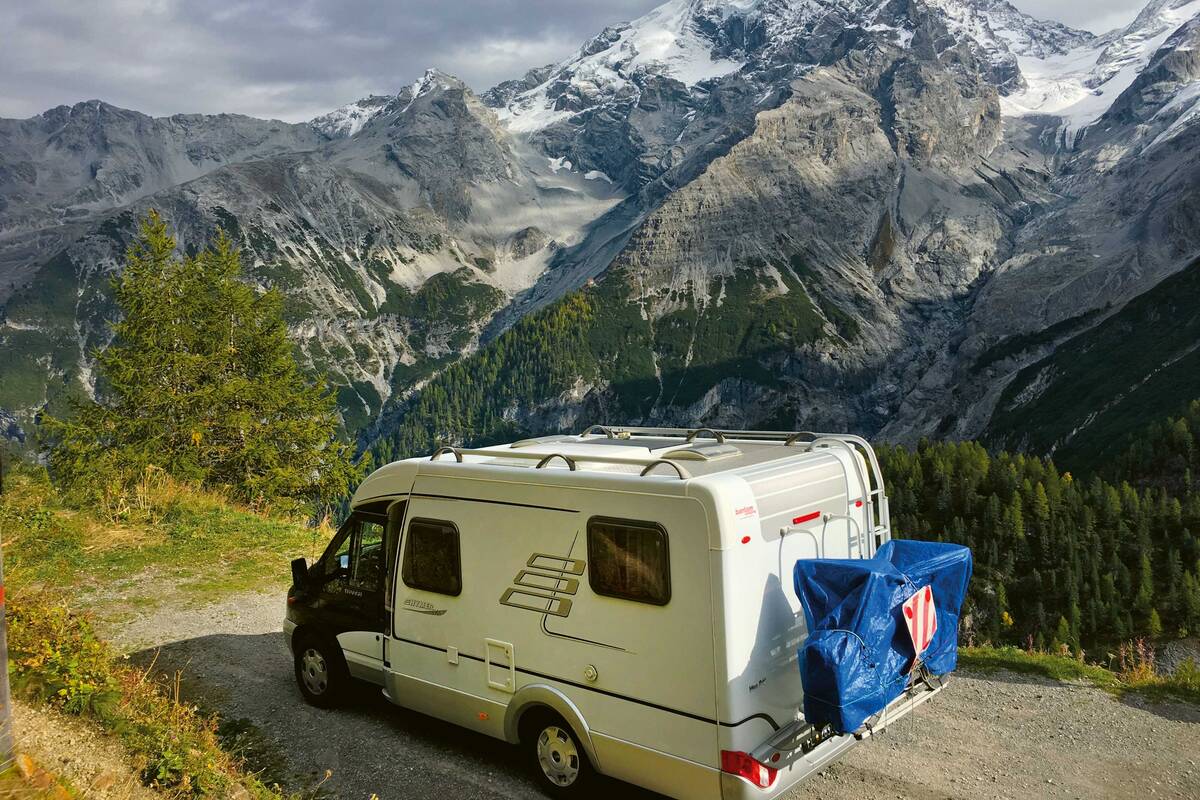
[1154, 626]
[202, 382]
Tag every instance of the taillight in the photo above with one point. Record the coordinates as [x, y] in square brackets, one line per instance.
[741, 764]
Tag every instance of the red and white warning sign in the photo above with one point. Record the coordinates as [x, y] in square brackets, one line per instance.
[920, 615]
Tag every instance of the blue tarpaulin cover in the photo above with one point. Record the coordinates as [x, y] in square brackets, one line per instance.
[858, 653]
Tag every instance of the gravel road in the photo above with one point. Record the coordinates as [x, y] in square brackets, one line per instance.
[997, 736]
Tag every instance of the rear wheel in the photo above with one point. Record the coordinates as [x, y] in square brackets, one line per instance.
[321, 672]
[556, 757]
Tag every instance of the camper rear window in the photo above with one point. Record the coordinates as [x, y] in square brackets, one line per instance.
[431, 557]
[629, 560]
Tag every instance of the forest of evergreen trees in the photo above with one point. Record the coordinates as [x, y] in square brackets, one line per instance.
[1059, 560]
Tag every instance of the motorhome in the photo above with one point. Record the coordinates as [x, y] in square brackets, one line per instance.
[617, 602]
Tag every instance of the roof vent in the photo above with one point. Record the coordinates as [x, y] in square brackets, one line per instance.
[708, 452]
[541, 440]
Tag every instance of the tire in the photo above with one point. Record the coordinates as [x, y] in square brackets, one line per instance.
[321, 672]
[558, 761]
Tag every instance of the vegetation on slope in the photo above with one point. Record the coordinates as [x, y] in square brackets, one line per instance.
[57, 659]
[601, 337]
[1059, 561]
[1164, 455]
[1084, 400]
[177, 544]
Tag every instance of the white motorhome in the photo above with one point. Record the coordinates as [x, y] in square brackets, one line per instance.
[619, 601]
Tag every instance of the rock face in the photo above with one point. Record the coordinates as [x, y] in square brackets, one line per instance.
[391, 233]
[929, 196]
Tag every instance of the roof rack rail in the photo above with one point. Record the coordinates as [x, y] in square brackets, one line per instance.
[683, 473]
[718, 435]
[572, 460]
[624, 431]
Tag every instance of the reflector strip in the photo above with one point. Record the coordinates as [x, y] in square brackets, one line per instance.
[806, 518]
[920, 615]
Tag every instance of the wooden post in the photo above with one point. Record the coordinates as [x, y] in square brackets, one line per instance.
[6, 732]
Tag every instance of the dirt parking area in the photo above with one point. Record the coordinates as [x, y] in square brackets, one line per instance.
[986, 736]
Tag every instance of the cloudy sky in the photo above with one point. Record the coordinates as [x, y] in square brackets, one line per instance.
[294, 60]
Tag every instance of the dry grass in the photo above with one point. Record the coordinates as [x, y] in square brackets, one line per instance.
[60, 662]
[180, 536]
[27, 780]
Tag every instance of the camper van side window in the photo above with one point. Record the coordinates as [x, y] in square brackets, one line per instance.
[629, 560]
[431, 557]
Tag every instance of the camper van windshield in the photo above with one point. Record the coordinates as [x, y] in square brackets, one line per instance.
[629, 560]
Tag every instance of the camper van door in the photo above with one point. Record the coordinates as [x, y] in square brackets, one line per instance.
[350, 601]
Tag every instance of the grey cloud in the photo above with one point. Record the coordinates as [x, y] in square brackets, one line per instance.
[1098, 16]
[299, 59]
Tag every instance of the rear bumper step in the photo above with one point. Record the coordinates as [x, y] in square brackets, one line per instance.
[915, 696]
[796, 741]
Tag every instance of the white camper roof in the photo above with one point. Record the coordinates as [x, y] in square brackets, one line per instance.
[676, 455]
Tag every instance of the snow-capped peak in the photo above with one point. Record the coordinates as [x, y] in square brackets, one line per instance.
[1000, 29]
[696, 40]
[667, 41]
[348, 120]
[433, 79]
[1080, 85]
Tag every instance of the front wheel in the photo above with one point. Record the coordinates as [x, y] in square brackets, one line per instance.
[558, 760]
[321, 673]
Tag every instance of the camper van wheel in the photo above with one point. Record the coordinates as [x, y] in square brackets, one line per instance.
[557, 758]
[320, 673]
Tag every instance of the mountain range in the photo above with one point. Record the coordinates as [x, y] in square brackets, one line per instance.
[907, 218]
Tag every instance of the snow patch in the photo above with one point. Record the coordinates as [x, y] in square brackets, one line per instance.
[1187, 105]
[665, 41]
[1080, 85]
[348, 120]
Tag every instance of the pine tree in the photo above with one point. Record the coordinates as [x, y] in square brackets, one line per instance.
[1154, 626]
[1062, 636]
[1191, 602]
[201, 381]
[1145, 594]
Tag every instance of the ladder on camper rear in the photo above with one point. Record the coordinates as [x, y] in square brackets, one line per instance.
[878, 513]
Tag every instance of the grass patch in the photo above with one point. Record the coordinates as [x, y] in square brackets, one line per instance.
[199, 543]
[1135, 671]
[1059, 668]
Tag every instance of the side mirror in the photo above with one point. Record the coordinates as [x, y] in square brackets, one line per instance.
[299, 573]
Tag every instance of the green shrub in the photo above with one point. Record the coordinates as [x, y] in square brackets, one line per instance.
[56, 658]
